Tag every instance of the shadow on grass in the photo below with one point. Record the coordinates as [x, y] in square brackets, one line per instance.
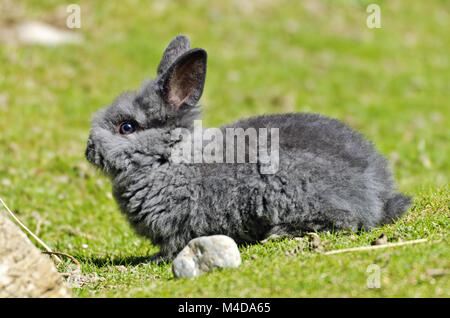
[115, 260]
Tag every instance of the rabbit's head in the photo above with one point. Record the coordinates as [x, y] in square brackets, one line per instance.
[135, 130]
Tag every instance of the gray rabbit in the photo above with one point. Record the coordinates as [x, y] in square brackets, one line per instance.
[329, 177]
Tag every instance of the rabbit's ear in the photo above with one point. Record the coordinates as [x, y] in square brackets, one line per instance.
[176, 47]
[183, 82]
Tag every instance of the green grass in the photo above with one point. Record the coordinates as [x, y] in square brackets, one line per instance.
[392, 84]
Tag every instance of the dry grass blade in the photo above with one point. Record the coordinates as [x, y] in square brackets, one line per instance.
[375, 247]
[78, 270]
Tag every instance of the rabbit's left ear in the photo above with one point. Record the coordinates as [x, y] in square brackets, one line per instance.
[179, 45]
[184, 81]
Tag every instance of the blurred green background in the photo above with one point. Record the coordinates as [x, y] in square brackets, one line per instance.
[391, 83]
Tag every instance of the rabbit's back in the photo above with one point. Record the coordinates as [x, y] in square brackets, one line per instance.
[329, 176]
[319, 135]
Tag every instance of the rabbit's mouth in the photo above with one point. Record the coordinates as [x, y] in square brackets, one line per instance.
[98, 160]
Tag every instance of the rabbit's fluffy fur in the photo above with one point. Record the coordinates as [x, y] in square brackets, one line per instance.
[329, 178]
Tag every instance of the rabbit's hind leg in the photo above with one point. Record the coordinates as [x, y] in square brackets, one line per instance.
[273, 234]
[281, 231]
[331, 219]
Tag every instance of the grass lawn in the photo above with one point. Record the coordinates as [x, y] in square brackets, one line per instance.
[392, 84]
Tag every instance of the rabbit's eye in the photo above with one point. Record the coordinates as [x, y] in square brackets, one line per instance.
[127, 128]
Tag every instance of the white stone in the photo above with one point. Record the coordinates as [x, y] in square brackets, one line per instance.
[204, 254]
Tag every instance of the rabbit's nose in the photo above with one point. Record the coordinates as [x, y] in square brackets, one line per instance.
[90, 150]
